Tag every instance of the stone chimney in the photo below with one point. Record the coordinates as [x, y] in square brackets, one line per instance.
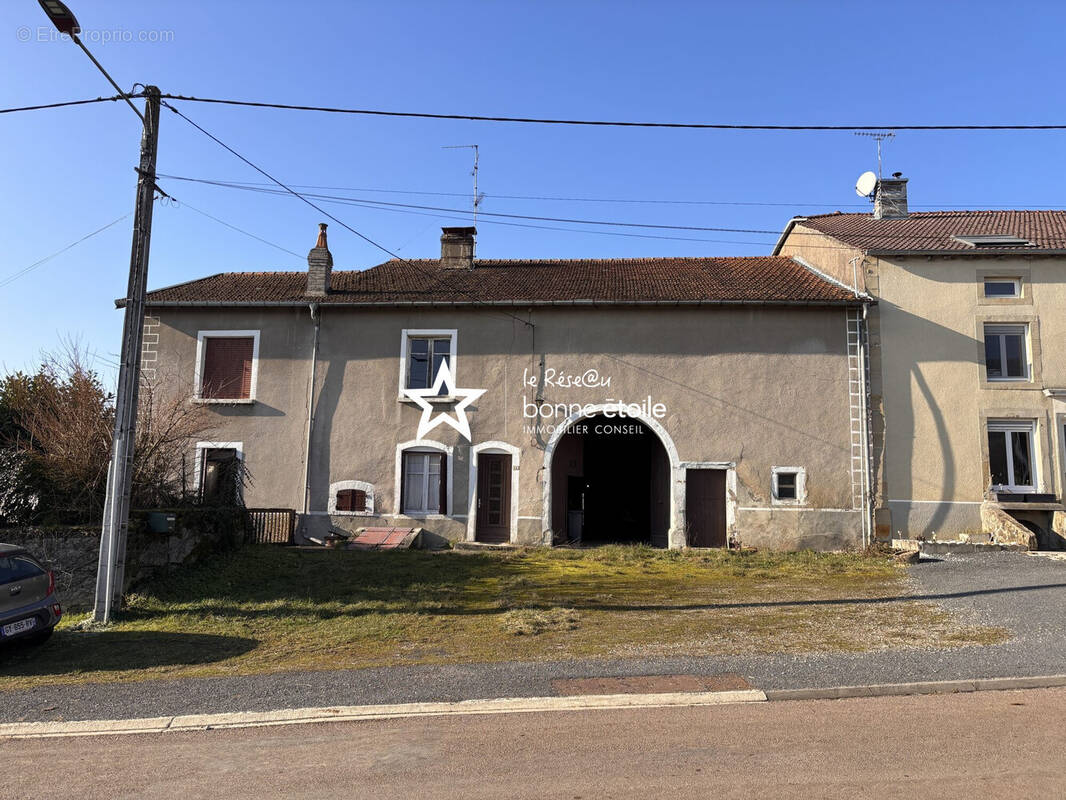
[319, 265]
[890, 200]
[457, 248]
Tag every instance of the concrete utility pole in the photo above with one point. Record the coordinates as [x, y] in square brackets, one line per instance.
[110, 575]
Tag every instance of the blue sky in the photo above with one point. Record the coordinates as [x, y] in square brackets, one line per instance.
[68, 172]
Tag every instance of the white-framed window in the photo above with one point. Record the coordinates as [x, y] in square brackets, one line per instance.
[788, 485]
[422, 351]
[227, 366]
[1003, 287]
[424, 482]
[1011, 455]
[218, 475]
[351, 498]
[1006, 352]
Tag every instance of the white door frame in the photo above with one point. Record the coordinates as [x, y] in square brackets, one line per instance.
[501, 448]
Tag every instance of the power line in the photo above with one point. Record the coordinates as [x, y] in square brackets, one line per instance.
[25, 270]
[253, 184]
[182, 203]
[386, 205]
[625, 200]
[462, 216]
[491, 213]
[612, 123]
[63, 104]
[322, 211]
[459, 214]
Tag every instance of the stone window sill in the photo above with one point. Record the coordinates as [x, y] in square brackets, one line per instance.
[224, 401]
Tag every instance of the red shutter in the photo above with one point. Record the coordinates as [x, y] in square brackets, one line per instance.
[227, 372]
[344, 500]
[351, 500]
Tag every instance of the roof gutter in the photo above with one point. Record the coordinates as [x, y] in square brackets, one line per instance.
[784, 234]
[859, 296]
[975, 253]
[515, 303]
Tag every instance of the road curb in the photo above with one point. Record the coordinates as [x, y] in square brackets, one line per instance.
[303, 716]
[921, 687]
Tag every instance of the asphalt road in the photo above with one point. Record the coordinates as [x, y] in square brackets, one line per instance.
[987, 744]
[1024, 593]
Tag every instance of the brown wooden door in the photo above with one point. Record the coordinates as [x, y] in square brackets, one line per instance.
[705, 507]
[493, 498]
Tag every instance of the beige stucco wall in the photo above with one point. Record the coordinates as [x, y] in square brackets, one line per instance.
[827, 254]
[748, 386]
[937, 398]
[929, 397]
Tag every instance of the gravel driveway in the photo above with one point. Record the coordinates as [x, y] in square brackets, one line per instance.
[1026, 594]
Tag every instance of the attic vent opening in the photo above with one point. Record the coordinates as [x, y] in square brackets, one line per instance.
[994, 240]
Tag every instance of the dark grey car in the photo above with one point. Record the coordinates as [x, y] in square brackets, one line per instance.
[29, 608]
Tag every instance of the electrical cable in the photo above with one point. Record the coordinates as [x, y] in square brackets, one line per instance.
[637, 201]
[64, 104]
[182, 204]
[325, 213]
[24, 271]
[385, 205]
[613, 123]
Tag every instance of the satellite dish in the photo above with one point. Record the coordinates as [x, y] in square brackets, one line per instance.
[865, 185]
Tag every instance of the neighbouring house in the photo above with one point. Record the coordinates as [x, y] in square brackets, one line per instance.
[968, 374]
[672, 401]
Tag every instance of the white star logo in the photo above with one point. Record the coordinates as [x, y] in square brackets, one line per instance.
[445, 380]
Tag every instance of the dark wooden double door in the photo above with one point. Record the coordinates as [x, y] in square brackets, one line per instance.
[493, 498]
[705, 507]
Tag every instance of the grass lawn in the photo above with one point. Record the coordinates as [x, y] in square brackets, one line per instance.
[266, 609]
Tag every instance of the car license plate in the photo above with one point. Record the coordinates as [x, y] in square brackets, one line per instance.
[21, 626]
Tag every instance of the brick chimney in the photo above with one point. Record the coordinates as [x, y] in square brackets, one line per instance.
[890, 200]
[457, 248]
[319, 265]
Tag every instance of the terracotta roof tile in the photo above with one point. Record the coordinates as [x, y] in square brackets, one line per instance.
[934, 231]
[756, 280]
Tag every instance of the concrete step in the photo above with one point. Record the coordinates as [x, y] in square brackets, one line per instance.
[949, 547]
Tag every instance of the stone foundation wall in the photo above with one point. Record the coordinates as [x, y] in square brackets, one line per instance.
[72, 553]
[1004, 529]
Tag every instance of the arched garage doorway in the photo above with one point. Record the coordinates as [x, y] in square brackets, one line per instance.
[610, 481]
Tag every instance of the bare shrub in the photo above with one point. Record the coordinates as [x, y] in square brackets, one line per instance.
[56, 429]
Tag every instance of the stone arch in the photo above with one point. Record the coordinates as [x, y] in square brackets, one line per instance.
[676, 533]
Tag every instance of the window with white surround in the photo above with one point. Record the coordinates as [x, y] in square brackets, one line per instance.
[424, 482]
[422, 352]
[355, 498]
[788, 485]
[1006, 352]
[1003, 287]
[1011, 457]
[219, 473]
[227, 366]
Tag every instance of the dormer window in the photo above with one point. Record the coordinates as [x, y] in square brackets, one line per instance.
[993, 240]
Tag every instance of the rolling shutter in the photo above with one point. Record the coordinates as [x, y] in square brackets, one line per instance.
[227, 373]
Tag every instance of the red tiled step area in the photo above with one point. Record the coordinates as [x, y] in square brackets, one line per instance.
[384, 538]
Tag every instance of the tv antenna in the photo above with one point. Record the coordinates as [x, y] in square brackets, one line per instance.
[878, 136]
[477, 197]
